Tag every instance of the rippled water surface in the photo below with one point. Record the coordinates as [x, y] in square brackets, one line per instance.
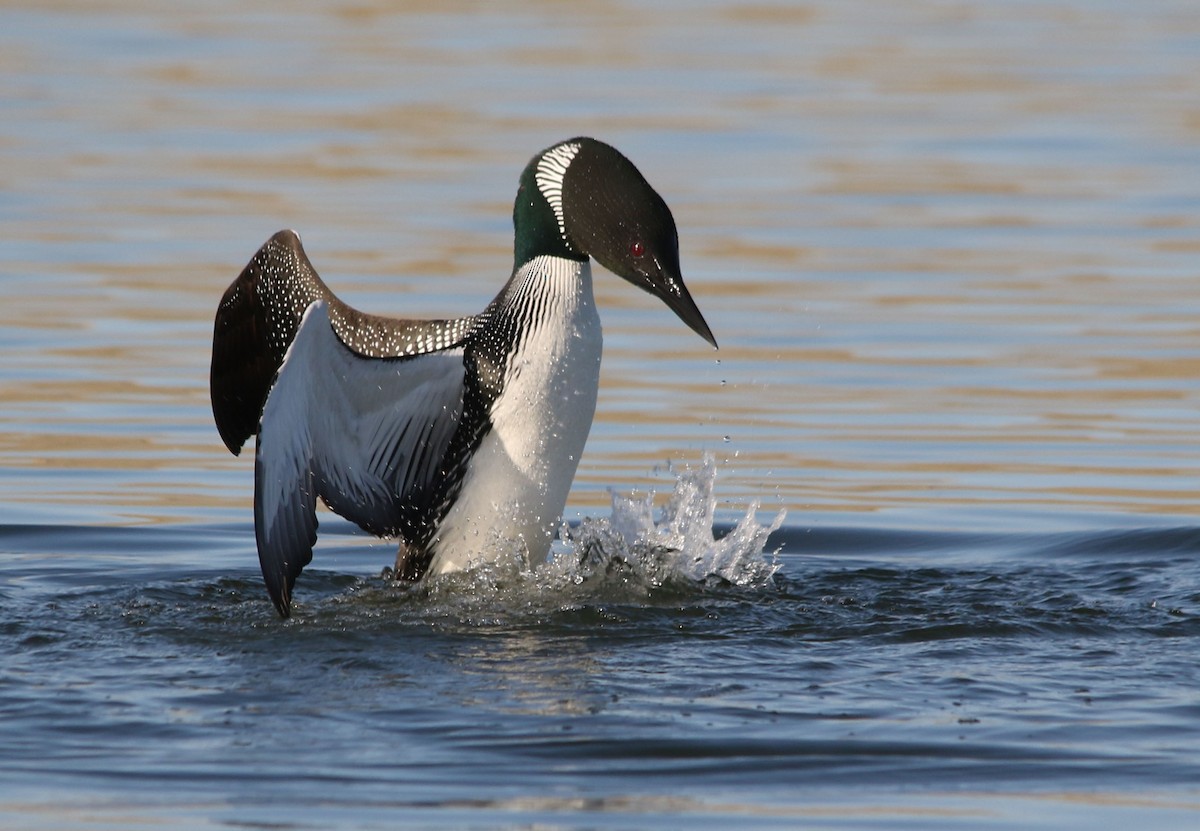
[950, 253]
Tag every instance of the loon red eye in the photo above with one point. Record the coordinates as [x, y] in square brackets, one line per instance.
[637, 249]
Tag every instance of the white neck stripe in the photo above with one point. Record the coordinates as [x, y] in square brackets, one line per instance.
[551, 169]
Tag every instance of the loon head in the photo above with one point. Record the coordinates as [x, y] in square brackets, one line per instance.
[581, 198]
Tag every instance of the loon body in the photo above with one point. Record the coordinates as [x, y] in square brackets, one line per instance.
[460, 437]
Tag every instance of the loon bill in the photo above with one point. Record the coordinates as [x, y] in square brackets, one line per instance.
[459, 437]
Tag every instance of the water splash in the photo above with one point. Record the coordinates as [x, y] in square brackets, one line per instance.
[680, 546]
[634, 555]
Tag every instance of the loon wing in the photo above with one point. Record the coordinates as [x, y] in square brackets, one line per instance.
[369, 436]
[259, 316]
[255, 324]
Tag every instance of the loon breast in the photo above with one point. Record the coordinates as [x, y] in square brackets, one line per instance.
[516, 484]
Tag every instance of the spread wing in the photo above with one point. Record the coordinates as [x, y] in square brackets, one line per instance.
[259, 316]
[369, 436]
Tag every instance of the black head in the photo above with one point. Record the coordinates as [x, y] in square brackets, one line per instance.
[582, 198]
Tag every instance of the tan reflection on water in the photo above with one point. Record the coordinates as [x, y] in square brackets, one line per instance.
[949, 252]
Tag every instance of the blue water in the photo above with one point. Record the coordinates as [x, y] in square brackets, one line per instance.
[939, 679]
[949, 252]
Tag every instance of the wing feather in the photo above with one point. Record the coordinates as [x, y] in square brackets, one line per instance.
[259, 316]
[368, 436]
[256, 320]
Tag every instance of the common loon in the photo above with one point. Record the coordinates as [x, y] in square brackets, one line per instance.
[459, 437]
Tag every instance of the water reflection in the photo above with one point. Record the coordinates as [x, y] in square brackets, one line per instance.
[529, 673]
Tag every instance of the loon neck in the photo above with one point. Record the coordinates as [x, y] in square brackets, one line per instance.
[537, 234]
[538, 223]
[550, 279]
[547, 297]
